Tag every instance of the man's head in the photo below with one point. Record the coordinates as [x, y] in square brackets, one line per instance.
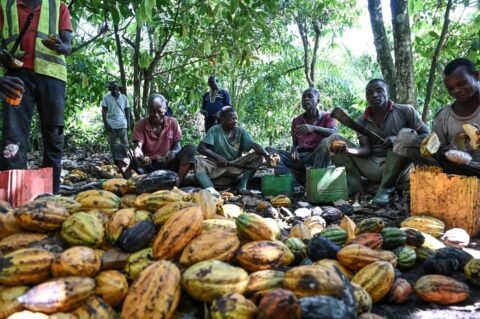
[114, 88]
[212, 82]
[310, 98]
[228, 118]
[376, 93]
[461, 79]
[157, 108]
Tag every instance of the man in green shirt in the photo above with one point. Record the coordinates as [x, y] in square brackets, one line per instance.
[223, 146]
[381, 161]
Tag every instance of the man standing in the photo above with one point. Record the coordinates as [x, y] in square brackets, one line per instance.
[462, 81]
[44, 72]
[381, 161]
[309, 132]
[116, 118]
[212, 102]
[223, 147]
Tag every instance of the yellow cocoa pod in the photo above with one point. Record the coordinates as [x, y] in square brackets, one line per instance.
[112, 286]
[207, 203]
[210, 279]
[177, 232]
[216, 243]
[155, 294]
[77, 261]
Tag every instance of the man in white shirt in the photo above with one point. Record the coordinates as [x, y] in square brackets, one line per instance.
[116, 118]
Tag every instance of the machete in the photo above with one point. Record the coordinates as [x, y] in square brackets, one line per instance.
[346, 120]
[242, 166]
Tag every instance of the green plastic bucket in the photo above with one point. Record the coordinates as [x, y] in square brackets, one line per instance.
[273, 185]
[326, 185]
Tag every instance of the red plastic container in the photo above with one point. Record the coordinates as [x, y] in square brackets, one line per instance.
[19, 186]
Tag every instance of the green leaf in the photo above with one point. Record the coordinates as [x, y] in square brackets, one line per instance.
[144, 60]
[115, 15]
[434, 34]
[207, 46]
[411, 7]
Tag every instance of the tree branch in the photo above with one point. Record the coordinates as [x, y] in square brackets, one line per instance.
[129, 42]
[433, 66]
[302, 30]
[184, 65]
[103, 30]
[317, 30]
[158, 54]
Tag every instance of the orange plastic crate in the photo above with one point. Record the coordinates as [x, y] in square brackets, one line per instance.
[19, 186]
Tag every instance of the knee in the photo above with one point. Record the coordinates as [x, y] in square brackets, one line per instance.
[406, 137]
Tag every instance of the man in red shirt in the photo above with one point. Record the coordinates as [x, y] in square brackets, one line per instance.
[157, 143]
[47, 39]
[309, 132]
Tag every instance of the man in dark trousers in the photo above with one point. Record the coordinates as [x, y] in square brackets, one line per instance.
[116, 118]
[387, 161]
[42, 51]
[213, 101]
[309, 133]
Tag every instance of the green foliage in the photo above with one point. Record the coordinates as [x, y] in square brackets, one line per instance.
[252, 47]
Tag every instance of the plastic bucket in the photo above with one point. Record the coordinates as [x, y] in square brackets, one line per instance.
[273, 185]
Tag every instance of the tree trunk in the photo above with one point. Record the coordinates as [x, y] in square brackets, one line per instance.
[123, 77]
[382, 45]
[302, 30]
[431, 74]
[405, 78]
[136, 76]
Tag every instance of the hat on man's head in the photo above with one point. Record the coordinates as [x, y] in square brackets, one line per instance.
[112, 84]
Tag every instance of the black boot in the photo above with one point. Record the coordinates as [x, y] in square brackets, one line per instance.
[394, 166]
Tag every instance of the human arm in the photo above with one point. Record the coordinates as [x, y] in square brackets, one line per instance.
[128, 118]
[206, 150]
[261, 151]
[104, 117]
[173, 151]
[10, 87]
[364, 150]
[308, 128]
[226, 98]
[203, 110]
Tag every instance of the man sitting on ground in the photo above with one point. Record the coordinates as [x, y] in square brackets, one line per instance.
[309, 132]
[157, 143]
[381, 161]
[223, 147]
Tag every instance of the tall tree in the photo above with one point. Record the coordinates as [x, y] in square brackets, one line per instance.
[316, 19]
[436, 54]
[382, 45]
[405, 78]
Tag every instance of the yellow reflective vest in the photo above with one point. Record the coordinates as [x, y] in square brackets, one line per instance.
[46, 61]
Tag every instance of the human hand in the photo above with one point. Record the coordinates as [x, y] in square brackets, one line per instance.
[170, 155]
[295, 153]
[11, 87]
[55, 43]
[137, 152]
[338, 146]
[9, 61]
[221, 161]
[303, 129]
[144, 160]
